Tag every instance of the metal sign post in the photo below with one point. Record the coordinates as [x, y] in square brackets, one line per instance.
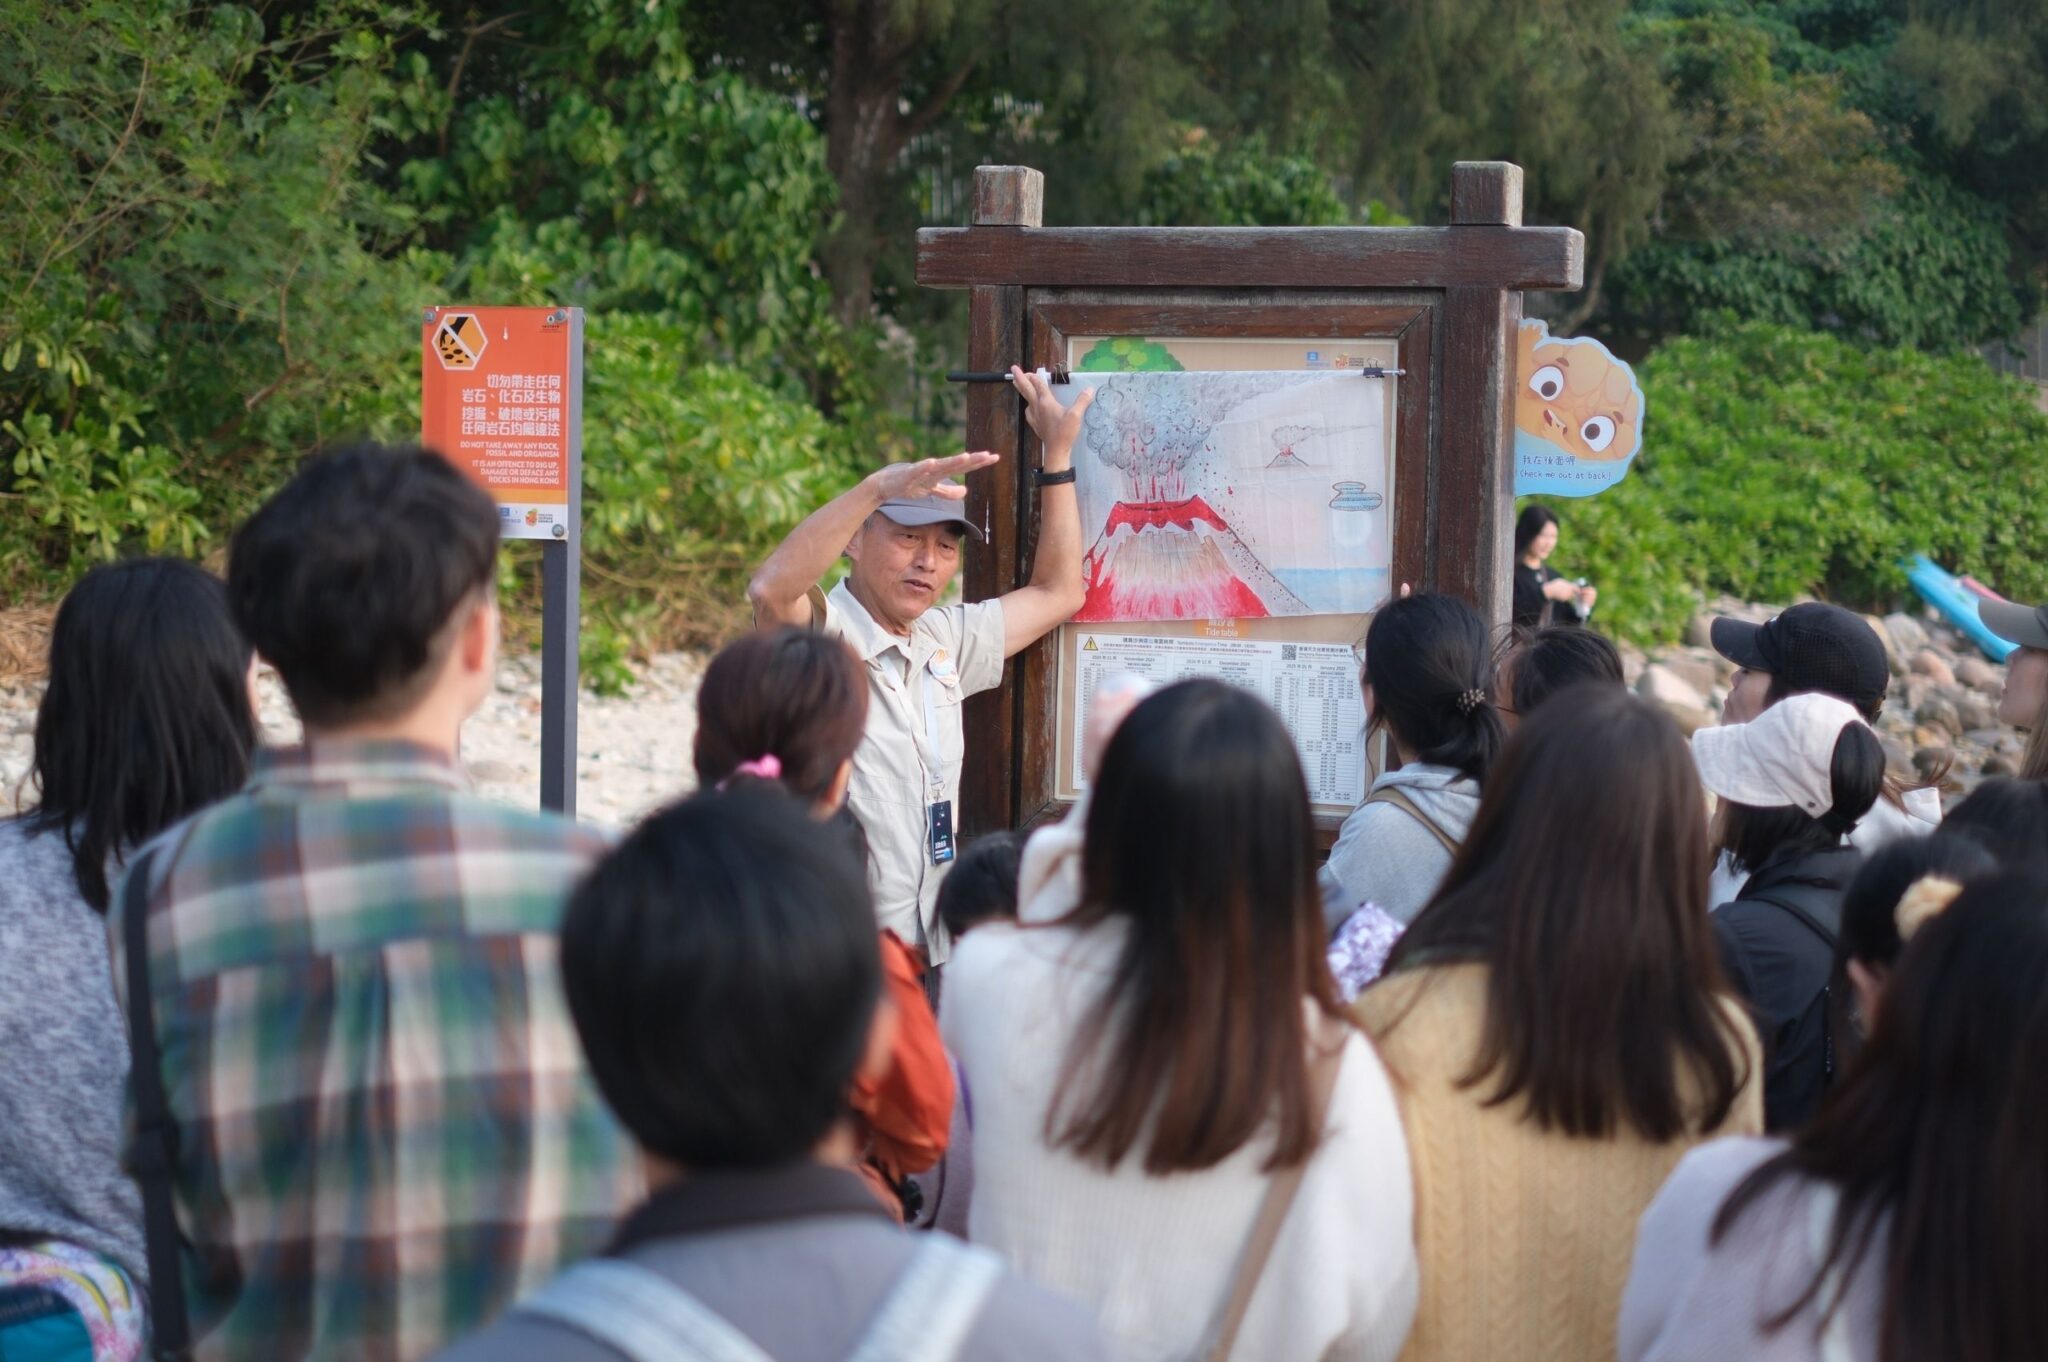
[501, 396]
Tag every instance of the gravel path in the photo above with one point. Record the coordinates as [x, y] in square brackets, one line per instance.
[633, 751]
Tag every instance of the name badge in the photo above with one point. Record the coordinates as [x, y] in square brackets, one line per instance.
[940, 818]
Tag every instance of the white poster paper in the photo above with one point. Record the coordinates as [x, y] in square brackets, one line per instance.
[1313, 687]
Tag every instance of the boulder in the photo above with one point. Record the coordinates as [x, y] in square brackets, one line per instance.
[1973, 710]
[1978, 674]
[1932, 665]
[1700, 632]
[1932, 761]
[1939, 712]
[1681, 700]
[1908, 635]
[1995, 765]
[1700, 669]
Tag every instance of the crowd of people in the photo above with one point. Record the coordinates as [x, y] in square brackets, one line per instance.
[1586, 1041]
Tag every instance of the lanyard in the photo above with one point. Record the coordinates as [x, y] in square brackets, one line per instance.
[930, 757]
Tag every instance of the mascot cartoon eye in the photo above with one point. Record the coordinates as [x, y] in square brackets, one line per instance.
[1597, 432]
[1547, 382]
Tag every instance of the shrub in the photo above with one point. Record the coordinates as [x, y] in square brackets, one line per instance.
[1779, 462]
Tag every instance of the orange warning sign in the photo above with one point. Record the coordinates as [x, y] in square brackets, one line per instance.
[501, 397]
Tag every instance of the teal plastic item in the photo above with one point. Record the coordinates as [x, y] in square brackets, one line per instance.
[1957, 603]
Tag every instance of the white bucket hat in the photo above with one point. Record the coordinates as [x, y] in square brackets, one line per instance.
[1784, 756]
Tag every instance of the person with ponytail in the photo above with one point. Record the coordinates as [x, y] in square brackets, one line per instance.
[1793, 783]
[1428, 682]
[785, 710]
[1909, 1220]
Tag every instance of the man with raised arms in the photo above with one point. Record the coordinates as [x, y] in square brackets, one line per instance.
[901, 529]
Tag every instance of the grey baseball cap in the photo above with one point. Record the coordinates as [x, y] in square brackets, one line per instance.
[2026, 625]
[931, 510]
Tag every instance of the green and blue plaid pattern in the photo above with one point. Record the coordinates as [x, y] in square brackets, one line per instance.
[387, 1133]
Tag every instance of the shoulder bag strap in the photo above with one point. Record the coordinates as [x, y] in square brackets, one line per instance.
[929, 1313]
[1280, 1193]
[1399, 799]
[640, 1313]
[153, 1154]
[1806, 919]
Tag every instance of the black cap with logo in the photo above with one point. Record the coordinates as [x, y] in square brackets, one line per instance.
[1811, 647]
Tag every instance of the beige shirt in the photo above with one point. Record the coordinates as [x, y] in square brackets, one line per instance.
[910, 757]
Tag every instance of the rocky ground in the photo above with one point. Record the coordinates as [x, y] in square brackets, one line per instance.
[1943, 704]
[633, 751]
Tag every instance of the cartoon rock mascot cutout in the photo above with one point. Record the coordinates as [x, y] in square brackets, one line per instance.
[1578, 415]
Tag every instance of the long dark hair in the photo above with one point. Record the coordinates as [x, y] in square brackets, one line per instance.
[1200, 841]
[798, 696]
[146, 718]
[1753, 835]
[2007, 817]
[1934, 1138]
[1870, 905]
[1602, 986]
[1530, 523]
[1430, 667]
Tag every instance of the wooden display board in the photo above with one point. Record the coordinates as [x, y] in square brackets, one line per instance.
[1440, 304]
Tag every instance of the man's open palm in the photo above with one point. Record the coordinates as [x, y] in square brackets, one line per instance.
[929, 477]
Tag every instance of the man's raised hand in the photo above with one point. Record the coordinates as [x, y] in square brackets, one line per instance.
[929, 477]
[1058, 426]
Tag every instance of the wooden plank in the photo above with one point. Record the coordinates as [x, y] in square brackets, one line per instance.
[990, 568]
[1486, 193]
[1474, 483]
[1495, 257]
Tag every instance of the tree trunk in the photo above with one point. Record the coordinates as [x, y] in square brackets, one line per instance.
[866, 129]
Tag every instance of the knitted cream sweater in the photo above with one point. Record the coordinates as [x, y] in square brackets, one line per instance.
[1151, 1257]
[1524, 1235]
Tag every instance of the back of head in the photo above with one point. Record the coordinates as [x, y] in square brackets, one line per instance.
[1870, 926]
[1753, 834]
[1581, 887]
[349, 581]
[794, 695]
[146, 718]
[1534, 520]
[1934, 1136]
[2007, 817]
[722, 970]
[1200, 842]
[1559, 657]
[982, 885]
[1430, 666]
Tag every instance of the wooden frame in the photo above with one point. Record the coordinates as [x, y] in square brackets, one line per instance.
[1450, 297]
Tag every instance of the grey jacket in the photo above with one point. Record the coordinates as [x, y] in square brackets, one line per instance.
[63, 1060]
[798, 1259]
[1384, 856]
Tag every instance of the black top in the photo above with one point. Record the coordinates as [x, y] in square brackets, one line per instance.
[1777, 943]
[1532, 611]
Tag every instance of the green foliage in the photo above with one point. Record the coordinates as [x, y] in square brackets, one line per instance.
[1239, 184]
[1779, 462]
[1932, 272]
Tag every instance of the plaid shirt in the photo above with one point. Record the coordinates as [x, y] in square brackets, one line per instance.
[386, 1131]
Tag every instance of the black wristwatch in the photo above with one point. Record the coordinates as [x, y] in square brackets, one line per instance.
[1045, 479]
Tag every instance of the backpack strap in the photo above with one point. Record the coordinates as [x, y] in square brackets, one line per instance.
[1400, 800]
[1826, 995]
[640, 1313]
[153, 1154]
[928, 1314]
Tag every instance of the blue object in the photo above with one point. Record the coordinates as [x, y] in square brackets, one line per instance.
[1957, 603]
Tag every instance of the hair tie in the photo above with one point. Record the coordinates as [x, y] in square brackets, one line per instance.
[1470, 700]
[1924, 898]
[767, 767]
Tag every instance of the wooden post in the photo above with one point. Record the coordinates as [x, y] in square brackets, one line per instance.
[1005, 198]
[1474, 486]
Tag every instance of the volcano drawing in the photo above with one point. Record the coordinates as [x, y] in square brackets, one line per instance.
[1166, 560]
[1198, 502]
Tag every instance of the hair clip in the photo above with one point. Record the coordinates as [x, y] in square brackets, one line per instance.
[768, 767]
[1470, 700]
[1925, 898]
